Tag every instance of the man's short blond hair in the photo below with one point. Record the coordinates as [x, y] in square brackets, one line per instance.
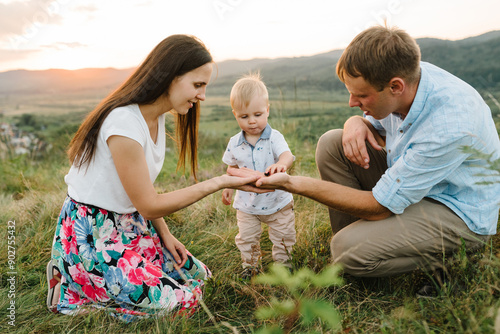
[379, 54]
[246, 88]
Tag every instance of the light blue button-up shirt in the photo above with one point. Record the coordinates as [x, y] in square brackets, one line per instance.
[425, 152]
[241, 153]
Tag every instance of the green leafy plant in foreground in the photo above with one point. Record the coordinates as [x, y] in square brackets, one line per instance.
[299, 285]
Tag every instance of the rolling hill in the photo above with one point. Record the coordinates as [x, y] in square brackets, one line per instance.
[475, 60]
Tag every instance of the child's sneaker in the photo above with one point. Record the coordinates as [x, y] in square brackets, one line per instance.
[249, 272]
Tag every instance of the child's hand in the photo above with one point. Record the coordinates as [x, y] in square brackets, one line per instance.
[227, 196]
[275, 168]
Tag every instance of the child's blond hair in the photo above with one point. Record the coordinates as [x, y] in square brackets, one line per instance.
[246, 88]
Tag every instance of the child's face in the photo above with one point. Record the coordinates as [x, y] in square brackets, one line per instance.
[253, 118]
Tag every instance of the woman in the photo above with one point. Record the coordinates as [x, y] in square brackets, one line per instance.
[112, 248]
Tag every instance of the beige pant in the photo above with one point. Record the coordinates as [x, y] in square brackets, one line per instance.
[281, 232]
[421, 237]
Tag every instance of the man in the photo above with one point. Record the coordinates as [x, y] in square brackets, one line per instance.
[401, 190]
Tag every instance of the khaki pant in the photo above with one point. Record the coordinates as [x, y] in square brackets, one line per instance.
[281, 233]
[420, 237]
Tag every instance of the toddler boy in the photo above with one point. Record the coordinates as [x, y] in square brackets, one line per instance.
[263, 149]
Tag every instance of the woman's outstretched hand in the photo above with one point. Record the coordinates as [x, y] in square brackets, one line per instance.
[245, 173]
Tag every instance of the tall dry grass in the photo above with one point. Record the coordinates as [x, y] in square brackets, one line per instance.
[33, 195]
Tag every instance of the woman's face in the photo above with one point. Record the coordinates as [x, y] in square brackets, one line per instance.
[189, 88]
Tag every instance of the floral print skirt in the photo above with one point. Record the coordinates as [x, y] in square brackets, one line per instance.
[117, 262]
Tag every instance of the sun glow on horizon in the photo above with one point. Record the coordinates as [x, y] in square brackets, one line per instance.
[98, 34]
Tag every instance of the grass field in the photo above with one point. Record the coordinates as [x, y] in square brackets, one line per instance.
[33, 192]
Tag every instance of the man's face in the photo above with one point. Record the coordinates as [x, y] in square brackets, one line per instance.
[375, 103]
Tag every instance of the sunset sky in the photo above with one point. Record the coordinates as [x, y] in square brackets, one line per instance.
[72, 34]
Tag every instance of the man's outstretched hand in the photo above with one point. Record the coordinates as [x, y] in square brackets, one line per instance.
[275, 181]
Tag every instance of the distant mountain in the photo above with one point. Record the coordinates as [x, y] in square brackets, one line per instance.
[308, 73]
[61, 81]
[474, 59]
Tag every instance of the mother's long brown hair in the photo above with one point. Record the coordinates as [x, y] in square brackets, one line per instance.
[174, 56]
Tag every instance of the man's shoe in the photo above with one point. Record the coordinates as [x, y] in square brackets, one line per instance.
[432, 288]
[427, 291]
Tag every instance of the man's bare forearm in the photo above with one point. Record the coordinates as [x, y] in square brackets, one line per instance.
[359, 203]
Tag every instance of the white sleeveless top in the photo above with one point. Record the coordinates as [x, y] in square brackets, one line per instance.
[99, 184]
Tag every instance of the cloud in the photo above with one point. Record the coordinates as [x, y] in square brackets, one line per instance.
[144, 3]
[9, 55]
[87, 8]
[64, 45]
[24, 17]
